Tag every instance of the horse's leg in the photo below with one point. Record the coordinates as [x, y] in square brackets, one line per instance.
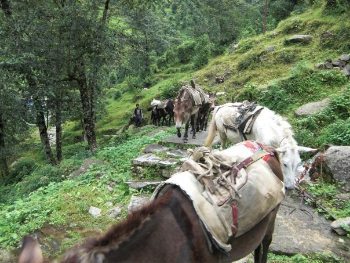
[223, 139]
[258, 253]
[193, 124]
[186, 131]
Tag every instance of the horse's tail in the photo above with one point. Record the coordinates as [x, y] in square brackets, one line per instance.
[211, 132]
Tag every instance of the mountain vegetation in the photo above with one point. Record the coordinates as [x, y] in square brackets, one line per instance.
[73, 70]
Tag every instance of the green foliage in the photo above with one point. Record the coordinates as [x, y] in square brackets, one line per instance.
[202, 51]
[249, 61]
[186, 51]
[298, 258]
[20, 169]
[42, 176]
[331, 126]
[286, 57]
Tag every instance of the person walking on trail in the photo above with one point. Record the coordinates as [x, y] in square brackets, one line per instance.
[138, 116]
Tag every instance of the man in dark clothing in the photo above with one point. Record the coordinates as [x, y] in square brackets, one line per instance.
[138, 116]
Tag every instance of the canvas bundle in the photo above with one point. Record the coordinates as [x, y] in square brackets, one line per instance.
[205, 179]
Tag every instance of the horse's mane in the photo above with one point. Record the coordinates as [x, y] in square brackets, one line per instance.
[121, 232]
[181, 92]
[286, 128]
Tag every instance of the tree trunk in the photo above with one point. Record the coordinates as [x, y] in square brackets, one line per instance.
[5, 6]
[88, 107]
[105, 12]
[4, 170]
[331, 3]
[265, 15]
[58, 124]
[44, 137]
[40, 120]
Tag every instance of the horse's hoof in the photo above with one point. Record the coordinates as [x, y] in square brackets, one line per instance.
[194, 137]
[179, 135]
[185, 141]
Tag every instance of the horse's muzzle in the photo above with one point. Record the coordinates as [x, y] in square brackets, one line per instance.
[178, 133]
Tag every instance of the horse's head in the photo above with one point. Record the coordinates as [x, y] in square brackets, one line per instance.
[290, 161]
[31, 252]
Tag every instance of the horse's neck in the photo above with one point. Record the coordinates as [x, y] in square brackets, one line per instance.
[166, 236]
[276, 132]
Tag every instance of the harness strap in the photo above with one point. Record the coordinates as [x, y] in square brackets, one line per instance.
[260, 154]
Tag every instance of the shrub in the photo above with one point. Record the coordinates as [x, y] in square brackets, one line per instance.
[185, 51]
[39, 178]
[202, 51]
[20, 169]
[248, 61]
[286, 57]
[117, 95]
[276, 98]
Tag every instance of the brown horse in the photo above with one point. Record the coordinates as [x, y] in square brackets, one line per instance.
[188, 110]
[167, 230]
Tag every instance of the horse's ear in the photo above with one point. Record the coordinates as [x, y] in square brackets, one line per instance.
[31, 251]
[281, 149]
[306, 149]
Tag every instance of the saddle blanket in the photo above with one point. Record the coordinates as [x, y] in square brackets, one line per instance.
[198, 95]
[259, 191]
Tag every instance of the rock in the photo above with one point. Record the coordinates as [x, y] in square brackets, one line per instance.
[177, 153]
[153, 160]
[300, 229]
[343, 196]
[304, 39]
[345, 57]
[146, 160]
[155, 148]
[312, 108]
[94, 211]
[114, 212]
[320, 66]
[219, 79]
[85, 167]
[328, 65]
[220, 93]
[109, 204]
[346, 70]
[326, 35]
[338, 63]
[270, 49]
[137, 202]
[337, 160]
[338, 225]
[142, 184]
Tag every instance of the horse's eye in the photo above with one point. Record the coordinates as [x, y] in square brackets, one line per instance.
[285, 165]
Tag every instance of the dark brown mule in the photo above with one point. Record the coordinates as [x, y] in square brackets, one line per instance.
[168, 230]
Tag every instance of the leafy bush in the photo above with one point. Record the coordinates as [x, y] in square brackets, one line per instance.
[185, 51]
[286, 56]
[39, 178]
[202, 51]
[170, 91]
[337, 133]
[276, 98]
[20, 169]
[248, 62]
[331, 126]
[117, 95]
[249, 92]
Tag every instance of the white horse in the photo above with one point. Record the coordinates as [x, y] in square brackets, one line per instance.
[269, 128]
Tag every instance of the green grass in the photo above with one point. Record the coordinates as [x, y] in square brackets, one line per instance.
[65, 204]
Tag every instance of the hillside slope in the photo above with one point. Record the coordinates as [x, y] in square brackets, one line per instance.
[262, 68]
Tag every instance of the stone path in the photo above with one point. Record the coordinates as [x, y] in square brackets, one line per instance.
[199, 141]
[300, 229]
